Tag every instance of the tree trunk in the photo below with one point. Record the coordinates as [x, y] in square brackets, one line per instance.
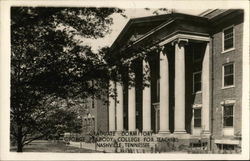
[19, 139]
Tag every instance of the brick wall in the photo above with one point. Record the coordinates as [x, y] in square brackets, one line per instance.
[102, 114]
[219, 59]
[97, 109]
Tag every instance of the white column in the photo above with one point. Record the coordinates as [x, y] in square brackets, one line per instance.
[146, 104]
[112, 108]
[179, 121]
[131, 109]
[164, 94]
[206, 91]
[119, 107]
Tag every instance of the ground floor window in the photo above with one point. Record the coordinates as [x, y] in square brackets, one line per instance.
[229, 148]
[197, 118]
[228, 116]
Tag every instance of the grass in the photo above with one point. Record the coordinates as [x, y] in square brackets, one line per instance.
[52, 147]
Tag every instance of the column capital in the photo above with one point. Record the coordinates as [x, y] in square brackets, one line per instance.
[180, 42]
[162, 48]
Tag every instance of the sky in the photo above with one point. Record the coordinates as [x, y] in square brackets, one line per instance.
[120, 22]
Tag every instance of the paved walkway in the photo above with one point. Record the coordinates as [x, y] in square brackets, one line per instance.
[90, 146]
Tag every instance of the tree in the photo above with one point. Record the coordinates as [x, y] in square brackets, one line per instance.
[159, 11]
[49, 61]
[53, 116]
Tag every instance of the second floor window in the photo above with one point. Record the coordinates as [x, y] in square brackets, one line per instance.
[197, 53]
[228, 75]
[196, 82]
[158, 90]
[228, 38]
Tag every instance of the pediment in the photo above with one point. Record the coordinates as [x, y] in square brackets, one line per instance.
[150, 30]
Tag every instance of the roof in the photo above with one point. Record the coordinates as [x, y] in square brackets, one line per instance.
[153, 25]
[140, 21]
[159, 21]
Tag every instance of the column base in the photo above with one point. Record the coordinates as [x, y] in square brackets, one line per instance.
[181, 134]
[164, 132]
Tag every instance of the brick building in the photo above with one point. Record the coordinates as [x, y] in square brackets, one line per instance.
[195, 88]
[95, 117]
[95, 114]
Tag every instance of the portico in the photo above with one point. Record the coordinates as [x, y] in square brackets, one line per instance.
[193, 96]
[165, 106]
[180, 122]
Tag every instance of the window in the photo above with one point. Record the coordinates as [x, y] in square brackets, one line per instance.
[228, 116]
[93, 121]
[93, 102]
[197, 53]
[228, 38]
[226, 146]
[228, 75]
[197, 118]
[158, 90]
[196, 82]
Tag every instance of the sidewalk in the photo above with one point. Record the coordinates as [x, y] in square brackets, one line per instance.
[84, 145]
[90, 146]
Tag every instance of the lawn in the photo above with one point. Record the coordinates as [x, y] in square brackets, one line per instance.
[53, 147]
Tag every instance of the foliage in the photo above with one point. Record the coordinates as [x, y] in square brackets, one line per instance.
[44, 47]
[48, 61]
[159, 11]
[51, 63]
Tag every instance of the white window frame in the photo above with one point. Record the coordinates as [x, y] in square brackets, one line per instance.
[197, 108]
[223, 109]
[196, 131]
[194, 73]
[228, 130]
[232, 48]
[230, 86]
